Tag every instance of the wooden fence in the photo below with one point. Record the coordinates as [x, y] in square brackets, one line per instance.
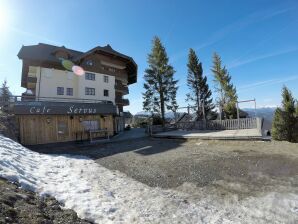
[231, 124]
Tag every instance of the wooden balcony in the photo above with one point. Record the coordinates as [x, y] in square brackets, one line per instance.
[32, 79]
[121, 101]
[119, 87]
[31, 82]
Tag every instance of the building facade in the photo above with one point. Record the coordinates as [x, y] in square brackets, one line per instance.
[59, 105]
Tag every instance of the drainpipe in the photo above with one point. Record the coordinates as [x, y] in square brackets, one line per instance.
[39, 82]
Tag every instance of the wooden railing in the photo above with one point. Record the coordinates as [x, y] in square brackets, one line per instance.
[122, 101]
[231, 124]
[120, 87]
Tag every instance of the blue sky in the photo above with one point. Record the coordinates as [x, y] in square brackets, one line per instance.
[257, 39]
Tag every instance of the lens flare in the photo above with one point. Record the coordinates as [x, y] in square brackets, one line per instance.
[78, 70]
[67, 64]
[70, 66]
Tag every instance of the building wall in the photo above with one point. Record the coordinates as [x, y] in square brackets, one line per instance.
[41, 129]
[49, 79]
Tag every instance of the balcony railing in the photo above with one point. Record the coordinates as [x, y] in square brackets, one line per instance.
[32, 79]
[121, 88]
[24, 97]
[121, 101]
[125, 102]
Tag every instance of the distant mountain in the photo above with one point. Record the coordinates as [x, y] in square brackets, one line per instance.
[265, 112]
[142, 113]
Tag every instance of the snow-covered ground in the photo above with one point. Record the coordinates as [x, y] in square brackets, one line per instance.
[106, 196]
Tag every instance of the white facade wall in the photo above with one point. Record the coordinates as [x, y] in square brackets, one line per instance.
[49, 79]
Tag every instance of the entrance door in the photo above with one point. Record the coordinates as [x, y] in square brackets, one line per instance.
[63, 128]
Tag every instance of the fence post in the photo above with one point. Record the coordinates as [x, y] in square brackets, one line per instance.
[238, 117]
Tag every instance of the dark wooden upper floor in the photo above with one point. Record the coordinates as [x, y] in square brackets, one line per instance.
[103, 60]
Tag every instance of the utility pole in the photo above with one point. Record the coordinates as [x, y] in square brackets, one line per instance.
[219, 107]
[255, 107]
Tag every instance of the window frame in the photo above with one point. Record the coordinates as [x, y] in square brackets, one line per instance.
[106, 78]
[67, 92]
[90, 76]
[106, 91]
[89, 91]
[60, 91]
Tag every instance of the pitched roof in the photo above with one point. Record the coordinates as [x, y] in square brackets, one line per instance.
[106, 49]
[46, 53]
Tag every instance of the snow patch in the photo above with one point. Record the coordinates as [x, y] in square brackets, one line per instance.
[106, 196]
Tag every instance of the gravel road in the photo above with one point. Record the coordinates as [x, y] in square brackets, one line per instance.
[258, 166]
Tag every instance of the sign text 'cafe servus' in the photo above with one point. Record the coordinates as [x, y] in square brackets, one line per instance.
[65, 108]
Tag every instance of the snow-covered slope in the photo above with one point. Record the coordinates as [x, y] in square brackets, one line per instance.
[105, 196]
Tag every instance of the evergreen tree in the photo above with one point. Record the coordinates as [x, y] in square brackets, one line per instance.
[5, 94]
[296, 126]
[199, 95]
[227, 98]
[285, 120]
[160, 85]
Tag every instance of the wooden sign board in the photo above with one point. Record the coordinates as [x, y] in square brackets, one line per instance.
[65, 108]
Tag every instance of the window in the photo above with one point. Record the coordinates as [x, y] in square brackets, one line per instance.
[89, 91]
[69, 91]
[112, 69]
[106, 78]
[60, 90]
[91, 125]
[89, 62]
[106, 92]
[62, 128]
[89, 76]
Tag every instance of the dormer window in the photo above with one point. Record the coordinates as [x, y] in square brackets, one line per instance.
[89, 62]
[62, 52]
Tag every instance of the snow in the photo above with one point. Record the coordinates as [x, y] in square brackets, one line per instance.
[106, 196]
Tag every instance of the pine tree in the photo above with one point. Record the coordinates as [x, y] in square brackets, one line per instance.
[199, 95]
[278, 125]
[296, 125]
[285, 120]
[227, 98]
[160, 85]
[5, 94]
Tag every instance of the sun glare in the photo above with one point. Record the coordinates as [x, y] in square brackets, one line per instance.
[4, 18]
